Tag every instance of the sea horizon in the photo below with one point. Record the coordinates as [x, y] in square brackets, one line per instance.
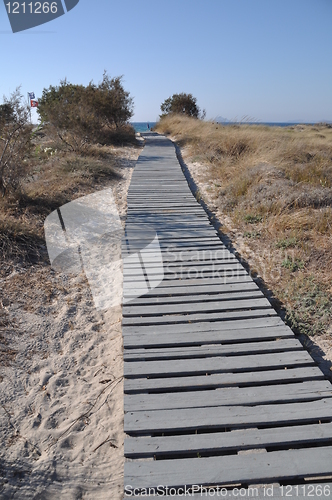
[146, 126]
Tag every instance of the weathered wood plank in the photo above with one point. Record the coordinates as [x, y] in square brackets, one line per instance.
[200, 337]
[230, 396]
[184, 308]
[233, 275]
[226, 280]
[145, 447]
[258, 467]
[180, 291]
[216, 364]
[232, 417]
[198, 317]
[167, 299]
[130, 271]
[136, 385]
[185, 264]
[174, 256]
[203, 351]
[257, 329]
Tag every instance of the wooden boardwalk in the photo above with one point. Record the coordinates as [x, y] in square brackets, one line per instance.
[218, 390]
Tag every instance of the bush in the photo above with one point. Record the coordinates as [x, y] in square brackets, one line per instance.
[181, 104]
[15, 141]
[81, 115]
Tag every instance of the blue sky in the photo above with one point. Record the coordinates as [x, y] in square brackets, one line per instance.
[270, 60]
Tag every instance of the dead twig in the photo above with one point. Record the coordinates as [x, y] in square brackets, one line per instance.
[107, 440]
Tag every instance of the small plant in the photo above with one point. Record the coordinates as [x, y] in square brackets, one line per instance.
[311, 308]
[50, 151]
[287, 243]
[292, 264]
[253, 219]
[252, 234]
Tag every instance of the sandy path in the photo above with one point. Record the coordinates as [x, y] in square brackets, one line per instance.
[61, 399]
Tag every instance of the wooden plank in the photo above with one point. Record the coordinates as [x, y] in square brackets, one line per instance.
[174, 256]
[184, 308]
[227, 277]
[197, 291]
[197, 317]
[258, 467]
[180, 266]
[212, 350]
[217, 281]
[230, 396]
[134, 340]
[235, 270]
[167, 298]
[186, 236]
[136, 385]
[154, 267]
[230, 417]
[146, 447]
[169, 287]
[216, 364]
[180, 299]
[220, 326]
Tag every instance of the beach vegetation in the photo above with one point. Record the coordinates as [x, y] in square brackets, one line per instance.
[80, 147]
[180, 104]
[80, 115]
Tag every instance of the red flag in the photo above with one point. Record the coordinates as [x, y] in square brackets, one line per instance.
[34, 104]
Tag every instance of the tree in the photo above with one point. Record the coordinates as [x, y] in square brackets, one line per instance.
[81, 114]
[15, 141]
[112, 103]
[181, 104]
[64, 108]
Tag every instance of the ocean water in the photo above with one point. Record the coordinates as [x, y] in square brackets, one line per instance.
[143, 126]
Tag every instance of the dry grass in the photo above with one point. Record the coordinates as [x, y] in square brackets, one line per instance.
[55, 177]
[275, 185]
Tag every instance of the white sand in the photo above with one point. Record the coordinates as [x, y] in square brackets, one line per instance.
[61, 399]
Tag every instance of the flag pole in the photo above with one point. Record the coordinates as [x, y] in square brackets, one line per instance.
[29, 104]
